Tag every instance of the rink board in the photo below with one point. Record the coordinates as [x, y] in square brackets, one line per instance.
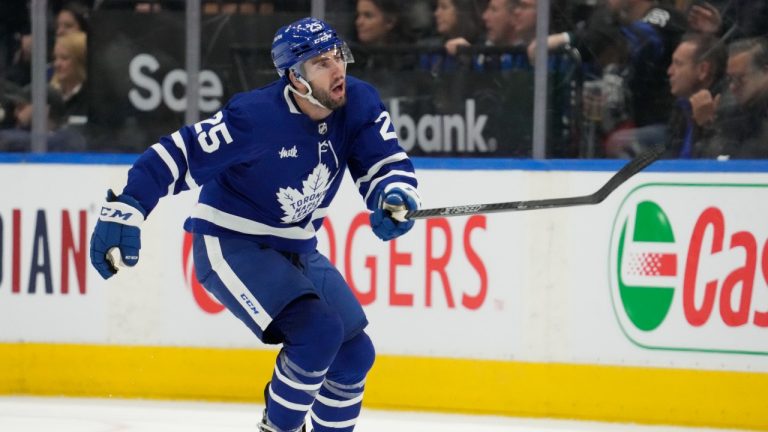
[651, 307]
[552, 390]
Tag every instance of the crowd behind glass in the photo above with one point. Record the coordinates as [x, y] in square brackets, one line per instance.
[690, 73]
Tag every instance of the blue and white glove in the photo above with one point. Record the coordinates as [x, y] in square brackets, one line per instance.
[116, 239]
[388, 220]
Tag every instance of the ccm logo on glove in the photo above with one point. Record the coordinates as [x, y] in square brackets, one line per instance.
[116, 239]
[121, 213]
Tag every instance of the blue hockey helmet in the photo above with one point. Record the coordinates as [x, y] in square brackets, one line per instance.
[306, 38]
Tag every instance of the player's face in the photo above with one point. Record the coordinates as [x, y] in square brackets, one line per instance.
[327, 74]
[683, 71]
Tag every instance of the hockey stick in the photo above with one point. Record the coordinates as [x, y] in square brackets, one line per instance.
[633, 167]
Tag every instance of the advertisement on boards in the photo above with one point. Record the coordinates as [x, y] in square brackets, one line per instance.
[662, 273]
[692, 275]
[440, 290]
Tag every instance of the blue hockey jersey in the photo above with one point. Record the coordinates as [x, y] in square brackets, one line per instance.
[270, 172]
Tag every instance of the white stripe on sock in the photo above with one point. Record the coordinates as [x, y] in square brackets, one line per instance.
[339, 403]
[335, 425]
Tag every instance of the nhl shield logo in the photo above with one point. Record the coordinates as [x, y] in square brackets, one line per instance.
[322, 128]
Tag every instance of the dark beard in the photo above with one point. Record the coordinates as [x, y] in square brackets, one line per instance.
[324, 98]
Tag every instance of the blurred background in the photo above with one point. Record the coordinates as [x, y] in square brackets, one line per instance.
[459, 76]
[649, 308]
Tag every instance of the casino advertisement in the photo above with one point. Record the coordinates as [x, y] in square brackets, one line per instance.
[692, 276]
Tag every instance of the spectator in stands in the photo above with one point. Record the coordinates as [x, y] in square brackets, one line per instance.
[650, 33]
[378, 24]
[509, 24]
[458, 18]
[73, 17]
[697, 67]
[14, 22]
[524, 20]
[20, 70]
[647, 33]
[455, 21]
[8, 91]
[732, 19]
[69, 76]
[60, 137]
[420, 18]
[242, 7]
[741, 130]
[499, 20]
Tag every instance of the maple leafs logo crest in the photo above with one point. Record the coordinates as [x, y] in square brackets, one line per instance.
[296, 204]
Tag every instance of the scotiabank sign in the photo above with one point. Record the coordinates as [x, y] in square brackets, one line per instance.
[689, 267]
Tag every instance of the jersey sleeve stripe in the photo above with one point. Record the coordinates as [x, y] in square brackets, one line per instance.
[169, 162]
[179, 141]
[377, 166]
[389, 174]
[247, 226]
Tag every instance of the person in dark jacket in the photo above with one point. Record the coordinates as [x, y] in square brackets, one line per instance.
[59, 138]
[630, 45]
[698, 65]
[729, 19]
[741, 124]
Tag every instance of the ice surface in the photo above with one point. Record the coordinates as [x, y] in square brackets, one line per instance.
[37, 414]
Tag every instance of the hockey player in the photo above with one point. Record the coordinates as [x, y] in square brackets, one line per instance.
[269, 164]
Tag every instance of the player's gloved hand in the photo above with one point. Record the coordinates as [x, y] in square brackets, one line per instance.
[388, 220]
[117, 230]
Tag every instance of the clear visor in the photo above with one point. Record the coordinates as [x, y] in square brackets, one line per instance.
[334, 56]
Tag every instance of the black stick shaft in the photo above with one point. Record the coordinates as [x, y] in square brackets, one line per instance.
[633, 167]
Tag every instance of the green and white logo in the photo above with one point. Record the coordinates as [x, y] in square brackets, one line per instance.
[647, 303]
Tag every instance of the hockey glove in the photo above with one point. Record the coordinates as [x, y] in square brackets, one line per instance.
[388, 221]
[117, 230]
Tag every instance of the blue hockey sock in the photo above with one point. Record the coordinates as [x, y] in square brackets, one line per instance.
[338, 403]
[290, 393]
[312, 334]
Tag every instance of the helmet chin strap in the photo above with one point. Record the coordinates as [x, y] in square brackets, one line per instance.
[308, 96]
